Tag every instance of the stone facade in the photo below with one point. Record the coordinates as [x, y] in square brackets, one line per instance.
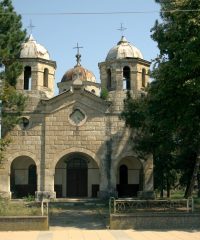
[75, 144]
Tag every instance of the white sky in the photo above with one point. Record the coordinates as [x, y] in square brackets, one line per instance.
[96, 33]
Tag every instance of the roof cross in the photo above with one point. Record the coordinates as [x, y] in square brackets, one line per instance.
[78, 55]
[31, 26]
[77, 46]
[122, 29]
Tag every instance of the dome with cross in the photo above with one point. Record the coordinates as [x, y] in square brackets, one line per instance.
[123, 50]
[78, 72]
[32, 49]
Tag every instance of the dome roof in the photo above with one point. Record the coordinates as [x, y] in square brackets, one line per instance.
[123, 50]
[32, 49]
[78, 72]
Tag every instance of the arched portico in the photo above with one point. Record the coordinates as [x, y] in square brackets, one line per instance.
[129, 177]
[76, 175]
[23, 177]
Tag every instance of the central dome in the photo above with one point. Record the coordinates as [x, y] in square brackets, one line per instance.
[78, 72]
[123, 50]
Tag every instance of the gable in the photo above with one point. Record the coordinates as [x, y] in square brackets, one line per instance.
[76, 98]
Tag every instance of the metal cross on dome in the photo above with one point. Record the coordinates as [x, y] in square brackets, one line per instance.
[122, 29]
[31, 26]
[78, 55]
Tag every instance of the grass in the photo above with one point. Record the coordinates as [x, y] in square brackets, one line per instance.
[28, 207]
[19, 208]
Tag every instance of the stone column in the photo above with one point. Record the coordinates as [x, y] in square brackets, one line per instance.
[148, 188]
[103, 189]
[4, 183]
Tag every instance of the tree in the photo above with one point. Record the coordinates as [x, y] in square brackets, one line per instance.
[172, 108]
[11, 38]
[178, 38]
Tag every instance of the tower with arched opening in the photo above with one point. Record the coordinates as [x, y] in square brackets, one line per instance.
[38, 69]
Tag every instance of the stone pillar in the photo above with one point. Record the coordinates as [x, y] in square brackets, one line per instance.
[48, 191]
[5, 184]
[148, 188]
[103, 189]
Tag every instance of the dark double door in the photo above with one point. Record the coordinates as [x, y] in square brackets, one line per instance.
[77, 178]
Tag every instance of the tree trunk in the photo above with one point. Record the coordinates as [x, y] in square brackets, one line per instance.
[168, 189]
[190, 187]
[198, 183]
[162, 186]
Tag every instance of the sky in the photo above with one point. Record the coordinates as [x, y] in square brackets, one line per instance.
[97, 33]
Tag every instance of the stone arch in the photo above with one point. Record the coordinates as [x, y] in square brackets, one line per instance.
[76, 174]
[46, 77]
[127, 154]
[134, 176]
[109, 79]
[23, 176]
[11, 157]
[59, 155]
[143, 77]
[27, 77]
[126, 78]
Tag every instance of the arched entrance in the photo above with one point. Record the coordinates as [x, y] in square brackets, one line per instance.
[76, 175]
[23, 177]
[129, 177]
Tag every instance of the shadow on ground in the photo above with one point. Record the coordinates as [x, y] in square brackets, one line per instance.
[78, 217]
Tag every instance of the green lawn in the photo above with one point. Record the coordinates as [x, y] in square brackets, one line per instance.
[19, 208]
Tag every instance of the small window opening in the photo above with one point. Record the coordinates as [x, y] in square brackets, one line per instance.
[46, 75]
[109, 79]
[93, 91]
[27, 78]
[24, 122]
[143, 77]
[126, 78]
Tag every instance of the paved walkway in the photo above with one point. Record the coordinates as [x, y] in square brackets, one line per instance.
[71, 234]
[87, 217]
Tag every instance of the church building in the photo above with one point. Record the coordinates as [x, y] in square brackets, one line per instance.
[75, 144]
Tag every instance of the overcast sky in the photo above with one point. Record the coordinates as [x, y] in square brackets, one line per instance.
[59, 32]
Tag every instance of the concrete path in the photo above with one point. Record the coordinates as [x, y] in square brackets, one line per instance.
[70, 234]
[89, 217]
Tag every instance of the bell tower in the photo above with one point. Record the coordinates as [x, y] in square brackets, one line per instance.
[38, 70]
[124, 70]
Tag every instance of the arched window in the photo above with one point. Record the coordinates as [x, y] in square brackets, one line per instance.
[45, 77]
[27, 78]
[143, 77]
[123, 174]
[126, 78]
[109, 79]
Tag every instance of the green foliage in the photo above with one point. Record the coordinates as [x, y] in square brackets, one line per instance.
[104, 93]
[3, 144]
[13, 105]
[29, 198]
[9, 208]
[11, 39]
[168, 119]
[3, 206]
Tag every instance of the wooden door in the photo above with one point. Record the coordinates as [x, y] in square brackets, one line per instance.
[77, 178]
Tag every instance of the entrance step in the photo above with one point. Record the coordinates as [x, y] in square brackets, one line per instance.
[79, 202]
